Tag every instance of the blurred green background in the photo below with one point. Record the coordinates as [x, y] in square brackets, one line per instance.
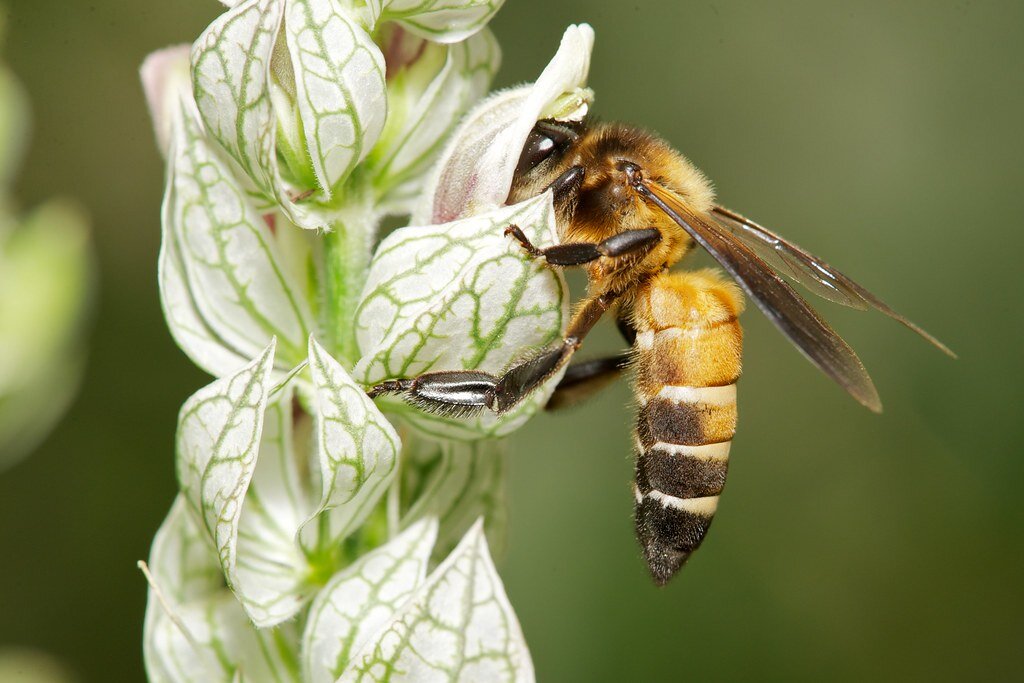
[885, 136]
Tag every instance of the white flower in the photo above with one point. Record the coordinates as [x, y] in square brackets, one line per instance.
[304, 81]
[295, 486]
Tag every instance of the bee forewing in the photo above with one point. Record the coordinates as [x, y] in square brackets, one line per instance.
[788, 259]
[816, 275]
[777, 300]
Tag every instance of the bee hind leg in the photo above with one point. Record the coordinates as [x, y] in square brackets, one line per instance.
[462, 393]
[466, 392]
[456, 392]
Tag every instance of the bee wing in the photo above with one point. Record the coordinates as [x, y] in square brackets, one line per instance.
[788, 259]
[810, 271]
[777, 300]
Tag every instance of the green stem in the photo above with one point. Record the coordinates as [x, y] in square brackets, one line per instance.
[347, 252]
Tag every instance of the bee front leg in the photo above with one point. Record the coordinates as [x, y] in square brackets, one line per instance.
[627, 242]
[565, 189]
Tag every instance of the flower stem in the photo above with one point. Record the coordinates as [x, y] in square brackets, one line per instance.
[347, 251]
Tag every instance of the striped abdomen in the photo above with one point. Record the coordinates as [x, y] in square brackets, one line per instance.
[687, 361]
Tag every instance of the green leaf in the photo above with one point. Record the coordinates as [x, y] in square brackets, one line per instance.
[457, 483]
[357, 450]
[194, 630]
[459, 626]
[361, 598]
[224, 289]
[426, 98]
[460, 296]
[475, 170]
[444, 21]
[339, 83]
[218, 440]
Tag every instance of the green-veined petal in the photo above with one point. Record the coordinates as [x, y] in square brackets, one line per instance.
[459, 626]
[224, 289]
[195, 631]
[339, 83]
[357, 451]
[460, 296]
[358, 600]
[231, 78]
[444, 21]
[271, 574]
[219, 430]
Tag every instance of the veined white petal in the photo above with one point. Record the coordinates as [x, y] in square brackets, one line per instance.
[459, 626]
[461, 296]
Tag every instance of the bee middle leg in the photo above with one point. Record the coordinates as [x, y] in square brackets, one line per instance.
[584, 379]
[628, 242]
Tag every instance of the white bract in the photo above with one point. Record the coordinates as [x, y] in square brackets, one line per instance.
[195, 630]
[357, 448]
[458, 626]
[361, 598]
[456, 483]
[413, 320]
[304, 541]
[446, 21]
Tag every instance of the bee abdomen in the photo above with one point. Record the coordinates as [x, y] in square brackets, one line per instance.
[683, 439]
[687, 360]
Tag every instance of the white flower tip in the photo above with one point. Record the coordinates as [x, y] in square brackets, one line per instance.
[561, 88]
[581, 36]
[165, 74]
[573, 56]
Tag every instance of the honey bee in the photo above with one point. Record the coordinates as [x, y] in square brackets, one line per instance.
[628, 208]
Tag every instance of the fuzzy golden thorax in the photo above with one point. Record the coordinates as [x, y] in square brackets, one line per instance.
[606, 204]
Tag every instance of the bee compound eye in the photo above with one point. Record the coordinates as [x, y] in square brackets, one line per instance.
[546, 138]
[538, 147]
